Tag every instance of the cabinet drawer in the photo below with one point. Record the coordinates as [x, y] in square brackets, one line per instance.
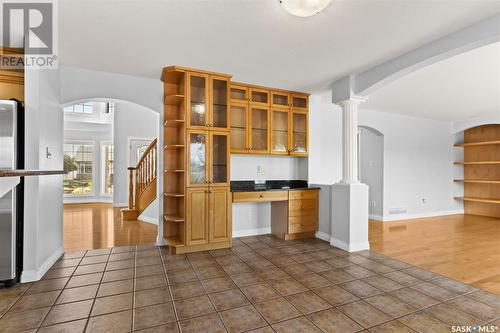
[305, 194]
[305, 207]
[302, 224]
[260, 196]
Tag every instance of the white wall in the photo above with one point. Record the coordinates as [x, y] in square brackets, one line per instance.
[43, 222]
[371, 168]
[131, 120]
[418, 159]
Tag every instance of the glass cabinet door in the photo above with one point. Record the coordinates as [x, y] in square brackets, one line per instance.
[219, 113]
[280, 99]
[300, 102]
[239, 121]
[259, 129]
[259, 96]
[219, 158]
[299, 134]
[198, 92]
[239, 93]
[279, 132]
[197, 155]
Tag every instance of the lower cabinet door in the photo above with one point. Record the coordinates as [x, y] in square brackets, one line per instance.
[219, 214]
[197, 216]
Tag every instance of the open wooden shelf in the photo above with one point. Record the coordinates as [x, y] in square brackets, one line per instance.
[173, 218]
[481, 143]
[473, 199]
[174, 99]
[478, 163]
[174, 195]
[169, 146]
[175, 170]
[477, 181]
[173, 241]
[173, 123]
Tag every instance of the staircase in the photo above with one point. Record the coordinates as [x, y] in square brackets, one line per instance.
[142, 180]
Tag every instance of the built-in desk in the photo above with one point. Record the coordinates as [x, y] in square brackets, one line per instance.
[294, 206]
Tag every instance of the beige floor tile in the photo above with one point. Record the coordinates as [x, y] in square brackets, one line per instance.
[47, 285]
[182, 276]
[98, 252]
[333, 321]
[77, 326]
[335, 295]
[78, 294]
[242, 319]
[259, 292]
[207, 272]
[94, 260]
[35, 301]
[382, 283]
[193, 307]
[402, 278]
[206, 324]
[453, 316]
[434, 291]
[360, 289]
[228, 299]
[308, 302]
[187, 290]
[357, 271]
[421, 273]
[424, 323]
[152, 296]
[121, 256]
[88, 269]
[486, 298]
[154, 315]
[287, 286]
[336, 276]
[218, 284]
[118, 322]
[392, 327]
[84, 280]
[414, 298]
[313, 281]
[475, 308]
[68, 312]
[59, 273]
[122, 264]
[276, 310]
[454, 286]
[296, 325]
[364, 314]
[116, 287]
[21, 321]
[391, 306]
[121, 274]
[167, 328]
[149, 282]
[113, 303]
[246, 279]
[149, 270]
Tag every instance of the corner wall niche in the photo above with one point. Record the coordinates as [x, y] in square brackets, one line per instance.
[481, 170]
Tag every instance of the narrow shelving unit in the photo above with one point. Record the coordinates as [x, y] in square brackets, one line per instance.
[481, 170]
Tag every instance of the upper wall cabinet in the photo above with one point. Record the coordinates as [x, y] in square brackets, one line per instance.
[267, 121]
[208, 97]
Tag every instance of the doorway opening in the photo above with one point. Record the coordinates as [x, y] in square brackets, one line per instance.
[371, 168]
[102, 139]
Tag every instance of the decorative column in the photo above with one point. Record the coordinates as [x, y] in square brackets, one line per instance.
[350, 197]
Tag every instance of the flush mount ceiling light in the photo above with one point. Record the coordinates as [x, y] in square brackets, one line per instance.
[304, 8]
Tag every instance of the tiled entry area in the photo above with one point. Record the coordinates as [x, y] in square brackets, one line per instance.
[262, 285]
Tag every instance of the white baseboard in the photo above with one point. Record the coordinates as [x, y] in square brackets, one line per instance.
[323, 236]
[120, 204]
[148, 219]
[398, 217]
[251, 232]
[35, 275]
[349, 247]
[87, 200]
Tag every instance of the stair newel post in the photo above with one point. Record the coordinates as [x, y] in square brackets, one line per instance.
[131, 188]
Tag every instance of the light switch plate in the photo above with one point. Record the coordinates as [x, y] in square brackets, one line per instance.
[48, 153]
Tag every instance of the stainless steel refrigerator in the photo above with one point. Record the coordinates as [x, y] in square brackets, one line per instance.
[11, 157]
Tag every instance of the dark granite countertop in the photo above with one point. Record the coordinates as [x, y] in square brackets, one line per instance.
[23, 173]
[270, 185]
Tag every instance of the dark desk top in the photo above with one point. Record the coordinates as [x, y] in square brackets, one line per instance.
[270, 185]
[23, 173]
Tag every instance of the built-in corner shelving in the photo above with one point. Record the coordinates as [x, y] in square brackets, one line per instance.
[174, 134]
[481, 170]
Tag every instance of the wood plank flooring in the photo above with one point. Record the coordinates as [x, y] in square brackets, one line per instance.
[97, 226]
[462, 247]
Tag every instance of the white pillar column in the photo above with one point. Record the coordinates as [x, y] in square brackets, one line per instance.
[350, 197]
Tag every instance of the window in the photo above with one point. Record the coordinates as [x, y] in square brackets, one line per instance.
[78, 168]
[108, 153]
[110, 107]
[85, 108]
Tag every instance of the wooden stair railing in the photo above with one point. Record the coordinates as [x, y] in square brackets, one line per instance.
[142, 187]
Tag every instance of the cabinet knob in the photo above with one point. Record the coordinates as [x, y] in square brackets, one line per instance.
[261, 196]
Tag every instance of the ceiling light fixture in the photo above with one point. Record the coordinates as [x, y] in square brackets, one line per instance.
[304, 8]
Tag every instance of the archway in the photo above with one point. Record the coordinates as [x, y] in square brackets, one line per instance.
[371, 168]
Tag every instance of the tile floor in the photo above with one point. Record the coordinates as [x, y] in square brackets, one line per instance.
[262, 284]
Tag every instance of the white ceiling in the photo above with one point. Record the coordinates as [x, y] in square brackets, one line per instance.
[463, 87]
[255, 40]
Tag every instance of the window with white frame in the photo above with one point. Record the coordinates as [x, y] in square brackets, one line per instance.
[81, 108]
[107, 167]
[78, 168]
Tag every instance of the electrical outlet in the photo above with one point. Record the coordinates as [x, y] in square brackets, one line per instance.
[48, 153]
[424, 201]
[260, 170]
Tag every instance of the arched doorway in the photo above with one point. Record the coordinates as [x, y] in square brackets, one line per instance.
[371, 168]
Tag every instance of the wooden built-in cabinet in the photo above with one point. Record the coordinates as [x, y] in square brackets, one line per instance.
[267, 121]
[197, 205]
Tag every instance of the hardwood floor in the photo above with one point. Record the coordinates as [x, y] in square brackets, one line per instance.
[462, 247]
[96, 226]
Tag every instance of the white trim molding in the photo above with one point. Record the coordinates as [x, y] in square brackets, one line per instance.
[322, 235]
[148, 219]
[400, 217]
[349, 247]
[35, 275]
